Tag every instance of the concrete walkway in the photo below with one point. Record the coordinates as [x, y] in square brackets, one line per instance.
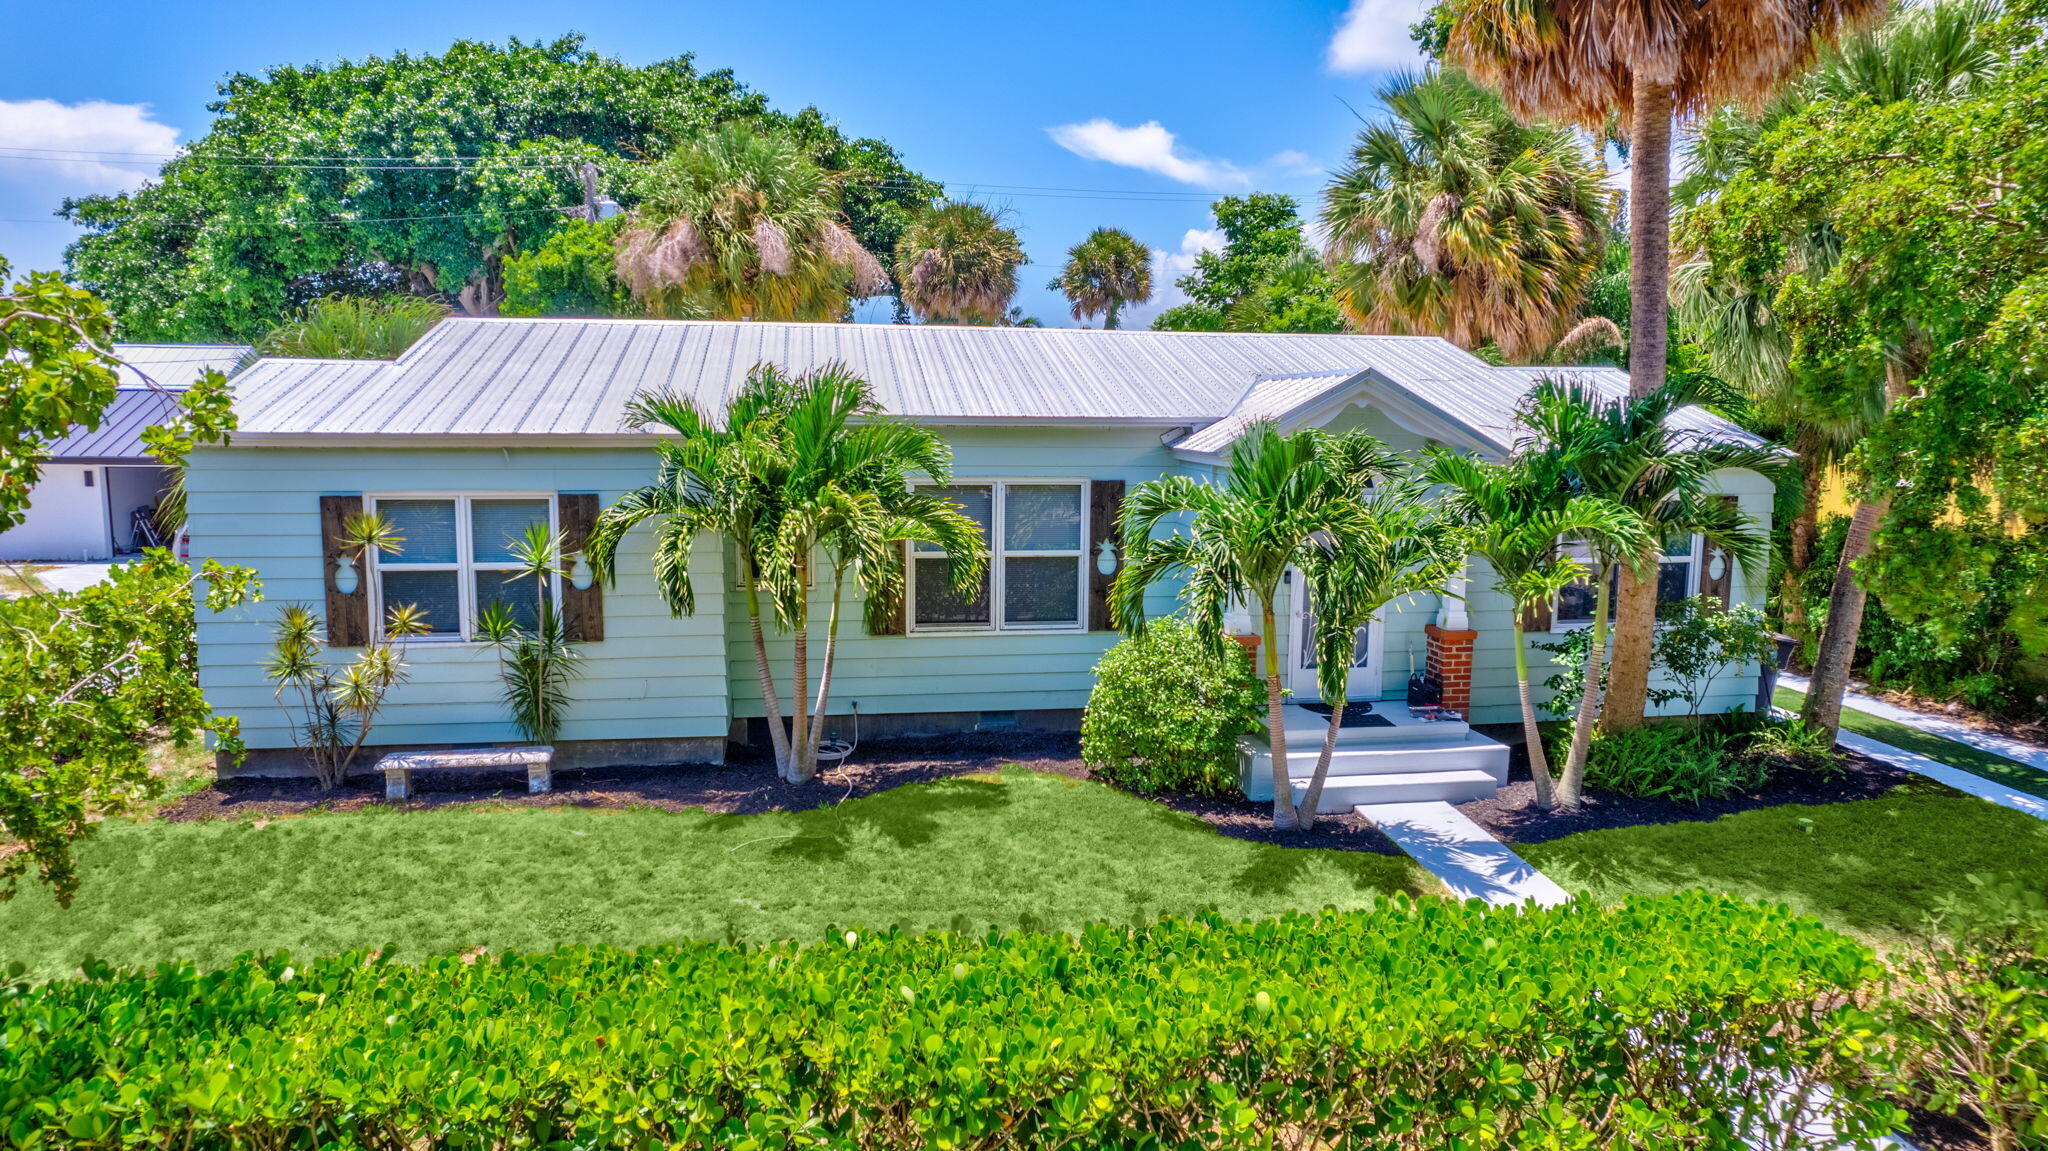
[1940, 772]
[73, 577]
[2012, 749]
[1473, 864]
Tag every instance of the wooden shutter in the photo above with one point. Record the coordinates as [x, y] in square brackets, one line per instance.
[348, 614]
[1536, 617]
[1105, 524]
[582, 608]
[1720, 586]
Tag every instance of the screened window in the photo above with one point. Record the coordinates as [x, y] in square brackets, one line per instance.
[1036, 578]
[1677, 578]
[457, 557]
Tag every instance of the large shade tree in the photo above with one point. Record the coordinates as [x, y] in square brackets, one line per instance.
[1103, 273]
[739, 224]
[1232, 541]
[1451, 218]
[957, 264]
[1265, 277]
[1587, 61]
[419, 173]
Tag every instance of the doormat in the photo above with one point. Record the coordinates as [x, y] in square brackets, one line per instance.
[1355, 714]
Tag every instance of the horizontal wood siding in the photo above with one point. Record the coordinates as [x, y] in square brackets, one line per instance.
[653, 677]
[940, 672]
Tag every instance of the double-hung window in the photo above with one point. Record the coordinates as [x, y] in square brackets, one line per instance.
[1036, 578]
[1678, 577]
[456, 558]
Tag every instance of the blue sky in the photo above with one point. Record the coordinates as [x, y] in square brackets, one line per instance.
[1168, 104]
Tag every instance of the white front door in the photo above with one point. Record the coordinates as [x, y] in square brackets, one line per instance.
[1364, 680]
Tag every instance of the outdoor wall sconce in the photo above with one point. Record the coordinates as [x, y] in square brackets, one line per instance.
[345, 580]
[580, 575]
[1105, 558]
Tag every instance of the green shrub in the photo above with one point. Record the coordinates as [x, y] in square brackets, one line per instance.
[1484, 1027]
[1792, 742]
[1167, 710]
[1685, 762]
[1965, 1017]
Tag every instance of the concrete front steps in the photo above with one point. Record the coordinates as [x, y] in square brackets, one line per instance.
[1409, 762]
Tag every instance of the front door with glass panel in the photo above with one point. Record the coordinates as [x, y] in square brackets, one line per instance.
[1364, 678]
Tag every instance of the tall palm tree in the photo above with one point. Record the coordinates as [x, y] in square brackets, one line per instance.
[958, 265]
[1453, 219]
[714, 477]
[1103, 273]
[1399, 545]
[1517, 515]
[1233, 541]
[845, 492]
[1624, 451]
[1584, 61]
[739, 224]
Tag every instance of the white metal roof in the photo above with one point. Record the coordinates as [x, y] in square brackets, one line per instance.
[524, 378]
[174, 365]
[1269, 398]
[137, 404]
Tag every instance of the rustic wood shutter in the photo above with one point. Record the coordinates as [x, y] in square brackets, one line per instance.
[582, 608]
[348, 613]
[1536, 617]
[1105, 525]
[1721, 586]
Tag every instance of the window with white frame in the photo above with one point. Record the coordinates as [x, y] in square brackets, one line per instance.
[457, 558]
[1678, 577]
[1037, 577]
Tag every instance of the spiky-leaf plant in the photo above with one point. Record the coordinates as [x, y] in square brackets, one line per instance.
[958, 265]
[354, 328]
[1103, 273]
[1453, 219]
[536, 663]
[739, 224]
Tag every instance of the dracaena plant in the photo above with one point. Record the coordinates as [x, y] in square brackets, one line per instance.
[333, 706]
[536, 662]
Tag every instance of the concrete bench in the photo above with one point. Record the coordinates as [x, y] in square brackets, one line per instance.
[399, 766]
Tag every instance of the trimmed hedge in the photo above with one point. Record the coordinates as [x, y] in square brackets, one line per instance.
[1661, 1022]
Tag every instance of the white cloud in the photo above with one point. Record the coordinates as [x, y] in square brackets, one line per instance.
[69, 145]
[1294, 163]
[1167, 267]
[1148, 147]
[1373, 37]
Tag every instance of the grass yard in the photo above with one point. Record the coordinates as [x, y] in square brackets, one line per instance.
[2017, 776]
[1874, 868]
[1019, 849]
[20, 579]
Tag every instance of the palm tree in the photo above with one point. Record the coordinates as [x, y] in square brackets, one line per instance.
[846, 492]
[738, 224]
[1103, 273]
[1584, 61]
[1397, 546]
[1517, 516]
[958, 265]
[1624, 452]
[715, 477]
[1453, 219]
[1233, 541]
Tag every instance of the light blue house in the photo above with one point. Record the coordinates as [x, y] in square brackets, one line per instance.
[487, 424]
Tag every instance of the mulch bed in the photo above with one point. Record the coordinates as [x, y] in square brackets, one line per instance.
[1512, 816]
[748, 784]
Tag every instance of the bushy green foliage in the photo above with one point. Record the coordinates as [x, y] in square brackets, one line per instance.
[1965, 1017]
[354, 328]
[1684, 762]
[1266, 277]
[1699, 641]
[573, 273]
[1167, 710]
[87, 678]
[1483, 1026]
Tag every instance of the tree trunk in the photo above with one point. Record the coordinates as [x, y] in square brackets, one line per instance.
[1837, 651]
[1109, 322]
[1539, 764]
[831, 655]
[1805, 529]
[1573, 783]
[1306, 816]
[802, 742]
[1649, 236]
[1284, 816]
[1845, 620]
[1635, 635]
[771, 701]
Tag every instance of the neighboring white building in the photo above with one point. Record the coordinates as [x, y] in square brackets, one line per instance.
[84, 507]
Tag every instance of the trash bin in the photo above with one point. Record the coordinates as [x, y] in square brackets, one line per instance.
[1767, 682]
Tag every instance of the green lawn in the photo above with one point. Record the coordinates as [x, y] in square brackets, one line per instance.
[2017, 776]
[1016, 850]
[1874, 868]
